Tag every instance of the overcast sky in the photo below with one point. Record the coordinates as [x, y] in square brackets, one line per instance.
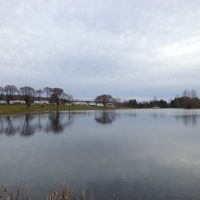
[129, 49]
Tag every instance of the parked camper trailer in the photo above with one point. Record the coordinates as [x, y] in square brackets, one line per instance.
[110, 105]
[91, 104]
[40, 102]
[80, 103]
[17, 102]
[3, 102]
[99, 104]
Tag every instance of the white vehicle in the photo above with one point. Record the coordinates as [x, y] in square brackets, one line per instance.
[80, 103]
[92, 104]
[99, 104]
[17, 102]
[40, 102]
[3, 102]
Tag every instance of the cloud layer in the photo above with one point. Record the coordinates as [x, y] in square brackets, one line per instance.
[129, 49]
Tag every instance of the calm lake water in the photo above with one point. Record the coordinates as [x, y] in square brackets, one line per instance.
[153, 152]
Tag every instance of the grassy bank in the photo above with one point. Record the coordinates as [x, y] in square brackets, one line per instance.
[17, 109]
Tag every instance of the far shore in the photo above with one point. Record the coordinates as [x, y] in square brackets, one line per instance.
[19, 109]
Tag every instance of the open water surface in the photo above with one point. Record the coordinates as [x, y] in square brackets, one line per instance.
[153, 153]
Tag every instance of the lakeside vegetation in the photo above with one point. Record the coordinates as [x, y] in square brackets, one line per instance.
[65, 193]
[188, 100]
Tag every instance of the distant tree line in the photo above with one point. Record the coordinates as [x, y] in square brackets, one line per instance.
[188, 99]
[29, 94]
[145, 104]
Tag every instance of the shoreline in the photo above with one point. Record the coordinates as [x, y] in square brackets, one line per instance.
[21, 109]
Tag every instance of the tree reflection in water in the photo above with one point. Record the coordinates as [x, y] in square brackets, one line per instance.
[188, 119]
[57, 122]
[106, 117]
[26, 125]
[39, 124]
[10, 128]
[28, 129]
[1, 125]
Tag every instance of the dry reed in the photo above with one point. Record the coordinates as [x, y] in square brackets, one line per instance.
[64, 194]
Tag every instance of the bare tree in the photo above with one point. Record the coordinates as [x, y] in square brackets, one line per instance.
[118, 102]
[57, 94]
[69, 98]
[38, 94]
[193, 94]
[10, 90]
[190, 99]
[1, 93]
[27, 93]
[194, 98]
[104, 99]
[47, 91]
[186, 93]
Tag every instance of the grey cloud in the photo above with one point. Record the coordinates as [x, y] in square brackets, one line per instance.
[118, 47]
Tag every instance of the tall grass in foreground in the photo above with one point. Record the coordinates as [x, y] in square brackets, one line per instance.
[64, 194]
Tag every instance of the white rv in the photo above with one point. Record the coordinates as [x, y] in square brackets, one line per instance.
[17, 102]
[40, 102]
[3, 102]
[110, 105]
[80, 103]
[100, 104]
[91, 104]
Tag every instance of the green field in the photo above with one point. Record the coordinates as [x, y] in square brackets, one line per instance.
[17, 109]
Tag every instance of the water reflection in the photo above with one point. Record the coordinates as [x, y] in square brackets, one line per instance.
[8, 126]
[57, 122]
[28, 128]
[145, 150]
[26, 125]
[188, 119]
[105, 117]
